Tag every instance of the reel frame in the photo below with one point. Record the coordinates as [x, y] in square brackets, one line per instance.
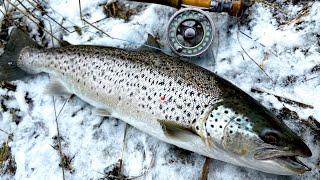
[183, 40]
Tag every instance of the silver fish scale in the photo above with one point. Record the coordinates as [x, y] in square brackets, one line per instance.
[164, 86]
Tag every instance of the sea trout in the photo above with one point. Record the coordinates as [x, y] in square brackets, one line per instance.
[175, 101]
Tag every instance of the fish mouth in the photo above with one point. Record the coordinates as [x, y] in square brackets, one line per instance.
[286, 159]
[293, 163]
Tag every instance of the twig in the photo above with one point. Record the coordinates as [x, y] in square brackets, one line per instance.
[305, 12]
[47, 16]
[81, 17]
[246, 35]
[251, 57]
[123, 147]
[283, 99]
[4, 132]
[9, 86]
[26, 15]
[274, 6]
[58, 133]
[146, 169]
[205, 169]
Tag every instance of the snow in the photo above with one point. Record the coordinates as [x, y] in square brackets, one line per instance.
[94, 144]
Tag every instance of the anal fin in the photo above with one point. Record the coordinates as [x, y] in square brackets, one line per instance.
[101, 112]
[55, 87]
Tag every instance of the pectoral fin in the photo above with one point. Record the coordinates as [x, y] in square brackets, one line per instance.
[175, 130]
[101, 112]
[55, 87]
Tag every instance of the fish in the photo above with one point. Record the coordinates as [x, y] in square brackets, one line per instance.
[175, 101]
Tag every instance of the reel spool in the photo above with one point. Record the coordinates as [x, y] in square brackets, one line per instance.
[190, 32]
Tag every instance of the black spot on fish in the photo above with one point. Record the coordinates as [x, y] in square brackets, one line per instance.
[220, 126]
[212, 125]
[226, 112]
[193, 121]
[197, 127]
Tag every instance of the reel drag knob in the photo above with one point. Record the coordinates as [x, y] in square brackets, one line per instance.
[190, 32]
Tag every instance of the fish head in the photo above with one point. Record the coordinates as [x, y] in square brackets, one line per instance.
[256, 138]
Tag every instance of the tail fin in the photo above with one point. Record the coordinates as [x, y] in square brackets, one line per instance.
[8, 60]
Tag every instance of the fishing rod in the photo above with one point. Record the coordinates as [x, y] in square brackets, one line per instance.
[190, 30]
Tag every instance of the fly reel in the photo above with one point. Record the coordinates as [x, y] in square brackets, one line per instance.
[190, 32]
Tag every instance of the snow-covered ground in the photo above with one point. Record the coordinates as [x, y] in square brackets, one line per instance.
[282, 38]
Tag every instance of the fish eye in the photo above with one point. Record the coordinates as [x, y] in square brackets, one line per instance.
[271, 137]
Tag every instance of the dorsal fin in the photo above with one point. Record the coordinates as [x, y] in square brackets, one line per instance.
[151, 44]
